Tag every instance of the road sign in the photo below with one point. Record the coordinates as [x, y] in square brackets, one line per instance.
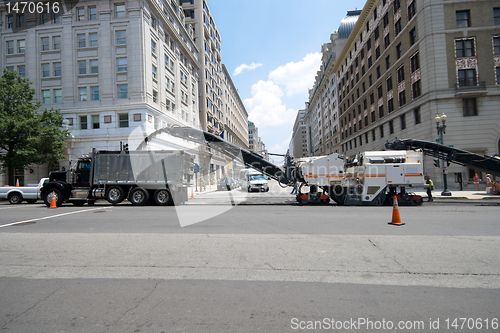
[196, 168]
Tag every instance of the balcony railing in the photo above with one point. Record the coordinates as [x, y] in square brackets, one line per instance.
[465, 85]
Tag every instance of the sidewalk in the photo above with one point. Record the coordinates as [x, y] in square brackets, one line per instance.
[456, 194]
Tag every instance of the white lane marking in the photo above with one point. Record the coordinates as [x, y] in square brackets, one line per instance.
[19, 206]
[49, 217]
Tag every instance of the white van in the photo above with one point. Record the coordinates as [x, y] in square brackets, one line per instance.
[255, 181]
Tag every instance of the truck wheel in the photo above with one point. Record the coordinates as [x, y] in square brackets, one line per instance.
[115, 195]
[138, 196]
[249, 190]
[47, 197]
[163, 197]
[15, 198]
[32, 201]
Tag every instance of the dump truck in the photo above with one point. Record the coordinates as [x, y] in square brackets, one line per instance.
[159, 177]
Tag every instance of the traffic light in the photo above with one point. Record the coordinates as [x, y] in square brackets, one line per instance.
[436, 163]
[125, 147]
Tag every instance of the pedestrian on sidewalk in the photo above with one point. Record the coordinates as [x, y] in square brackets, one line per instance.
[475, 180]
[431, 187]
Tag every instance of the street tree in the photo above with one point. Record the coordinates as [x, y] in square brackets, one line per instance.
[28, 135]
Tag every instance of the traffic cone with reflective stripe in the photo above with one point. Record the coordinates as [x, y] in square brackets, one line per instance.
[53, 200]
[17, 182]
[396, 219]
[192, 195]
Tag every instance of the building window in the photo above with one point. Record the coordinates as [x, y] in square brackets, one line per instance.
[57, 69]
[399, 50]
[153, 71]
[389, 83]
[401, 74]
[415, 87]
[379, 91]
[120, 10]
[391, 127]
[95, 121]
[20, 21]
[95, 93]
[413, 35]
[386, 19]
[380, 111]
[416, 115]
[56, 42]
[469, 107]
[83, 122]
[402, 98]
[21, 46]
[378, 72]
[137, 117]
[10, 47]
[80, 14]
[94, 66]
[121, 64]
[45, 43]
[56, 18]
[390, 105]
[121, 37]
[387, 40]
[381, 131]
[397, 5]
[466, 77]
[497, 72]
[10, 22]
[496, 45]
[45, 96]
[414, 63]
[372, 116]
[93, 39]
[376, 33]
[153, 47]
[82, 67]
[92, 13]
[377, 52]
[412, 10]
[81, 40]
[21, 70]
[123, 120]
[155, 96]
[123, 91]
[58, 96]
[397, 27]
[45, 70]
[387, 62]
[463, 18]
[82, 93]
[465, 48]
[402, 119]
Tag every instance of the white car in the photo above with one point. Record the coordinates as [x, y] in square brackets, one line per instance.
[257, 182]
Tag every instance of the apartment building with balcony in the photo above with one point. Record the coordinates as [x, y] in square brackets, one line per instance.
[406, 61]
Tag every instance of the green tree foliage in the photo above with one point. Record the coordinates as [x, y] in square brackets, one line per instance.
[27, 135]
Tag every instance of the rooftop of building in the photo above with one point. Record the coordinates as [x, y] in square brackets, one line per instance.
[348, 22]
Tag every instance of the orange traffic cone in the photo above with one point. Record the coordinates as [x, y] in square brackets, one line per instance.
[17, 182]
[396, 219]
[192, 195]
[53, 200]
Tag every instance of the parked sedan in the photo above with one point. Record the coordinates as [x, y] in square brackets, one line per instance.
[225, 184]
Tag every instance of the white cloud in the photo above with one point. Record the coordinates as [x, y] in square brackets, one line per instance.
[281, 147]
[265, 107]
[242, 67]
[297, 77]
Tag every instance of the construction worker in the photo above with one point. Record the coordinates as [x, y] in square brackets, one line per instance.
[431, 187]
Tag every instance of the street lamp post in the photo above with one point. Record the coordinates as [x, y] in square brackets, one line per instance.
[441, 129]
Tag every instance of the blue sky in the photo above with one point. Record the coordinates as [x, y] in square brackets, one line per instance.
[277, 47]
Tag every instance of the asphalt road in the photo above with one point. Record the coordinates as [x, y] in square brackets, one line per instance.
[266, 265]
